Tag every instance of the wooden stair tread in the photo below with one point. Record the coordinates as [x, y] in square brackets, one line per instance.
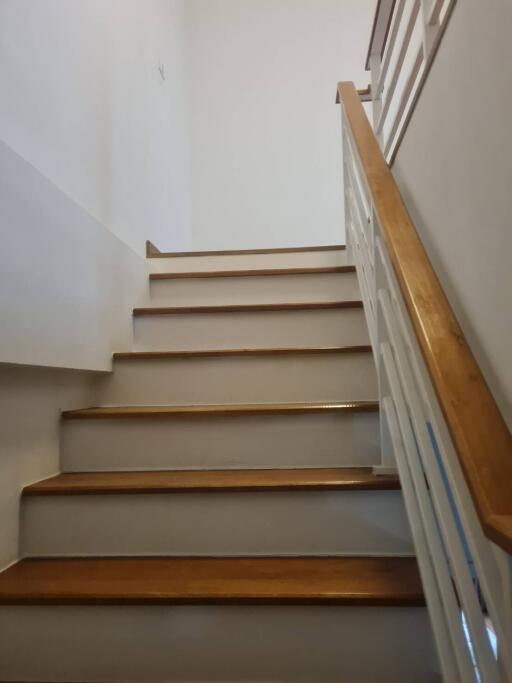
[317, 479]
[112, 412]
[154, 253]
[255, 272]
[261, 580]
[214, 353]
[246, 308]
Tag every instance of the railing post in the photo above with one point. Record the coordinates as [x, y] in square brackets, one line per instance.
[504, 563]
[375, 64]
[429, 25]
[346, 194]
[388, 463]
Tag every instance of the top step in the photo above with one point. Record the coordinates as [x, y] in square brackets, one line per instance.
[328, 256]
[154, 252]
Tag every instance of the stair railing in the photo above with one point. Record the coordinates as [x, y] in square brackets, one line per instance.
[440, 425]
[404, 42]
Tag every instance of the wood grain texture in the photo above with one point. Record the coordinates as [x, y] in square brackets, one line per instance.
[255, 272]
[246, 308]
[242, 252]
[151, 250]
[166, 581]
[221, 353]
[365, 94]
[235, 409]
[213, 481]
[480, 436]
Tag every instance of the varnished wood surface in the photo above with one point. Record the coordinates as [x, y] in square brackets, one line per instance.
[246, 308]
[211, 481]
[480, 436]
[221, 353]
[119, 412]
[242, 252]
[365, 94]
[263, 580]
[151, 250]
[254, 272]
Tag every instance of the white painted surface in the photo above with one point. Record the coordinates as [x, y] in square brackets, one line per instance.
[265, 166]
[239, 379]
[235, 644]
[242, 124]
[322, 327]
[67, 285]
[255, 290]
[453, 169]
[95, 144]
[176, 644]
[83, 101]
[219, 524]
[307, 259]
[263, 441]
[30, 404]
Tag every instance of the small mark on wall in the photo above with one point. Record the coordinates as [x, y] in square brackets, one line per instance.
[161, 69]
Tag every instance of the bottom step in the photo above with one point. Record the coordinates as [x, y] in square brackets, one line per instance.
[327, 620]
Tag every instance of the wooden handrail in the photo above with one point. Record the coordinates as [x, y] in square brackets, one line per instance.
[480, 436]
[365, 94]
[151, 250]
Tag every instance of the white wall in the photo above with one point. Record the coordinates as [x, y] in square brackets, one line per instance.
[93, 161]
[454, 169]
[84, 103]
[30, 403]
[265, 160]
[67, 284]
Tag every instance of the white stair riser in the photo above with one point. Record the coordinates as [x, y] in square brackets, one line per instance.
[184, 264]
[266, 441]
[228, 523]
[327, 327]
[254, 290]
[237, 379]
[216, 643]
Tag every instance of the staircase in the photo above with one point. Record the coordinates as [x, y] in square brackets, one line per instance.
[217, 518]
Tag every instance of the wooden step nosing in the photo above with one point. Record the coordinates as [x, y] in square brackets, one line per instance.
[256, 272]
[219, 353]
[246, 308]
[357, 600]
[229, 410]
[258, 580]
[247, 252]
[211, 481]
[132, 491]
